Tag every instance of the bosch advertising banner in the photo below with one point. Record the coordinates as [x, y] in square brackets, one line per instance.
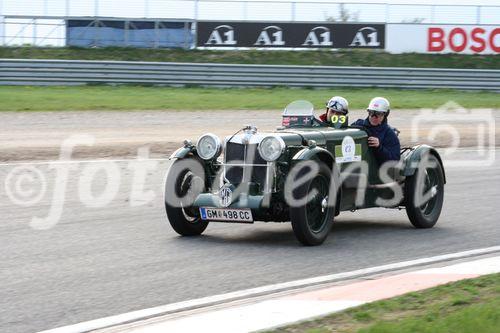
[290, 35]
[426, 38]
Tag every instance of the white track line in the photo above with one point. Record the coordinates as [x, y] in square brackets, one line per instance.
[81, 161]
[260, 291]
[156, 159]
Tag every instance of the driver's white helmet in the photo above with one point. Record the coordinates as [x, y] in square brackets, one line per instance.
[338, 104]
[379, 104]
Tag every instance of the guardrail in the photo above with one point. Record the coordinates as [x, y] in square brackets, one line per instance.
[70, 72]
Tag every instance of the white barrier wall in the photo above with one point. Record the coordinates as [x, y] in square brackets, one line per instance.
[441, 38]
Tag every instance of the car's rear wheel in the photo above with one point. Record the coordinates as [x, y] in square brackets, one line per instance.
[185, 181]
[312, 220]
[424, 193]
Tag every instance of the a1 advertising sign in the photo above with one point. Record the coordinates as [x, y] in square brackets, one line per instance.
[289, 35]
[426, 38]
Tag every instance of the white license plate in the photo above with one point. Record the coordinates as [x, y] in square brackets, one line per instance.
[226, 214]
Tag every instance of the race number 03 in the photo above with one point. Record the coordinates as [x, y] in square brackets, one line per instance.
[338, 119]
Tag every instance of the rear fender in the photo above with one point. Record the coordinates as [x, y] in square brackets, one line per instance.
[415, 156]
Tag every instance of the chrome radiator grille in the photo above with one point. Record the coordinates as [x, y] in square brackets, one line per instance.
[244, 161]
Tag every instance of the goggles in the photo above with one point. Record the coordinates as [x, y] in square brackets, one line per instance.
[377, 114]
[335, 111]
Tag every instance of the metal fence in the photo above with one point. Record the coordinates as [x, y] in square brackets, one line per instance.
[41, 22]
[448, 11]
[68, 72]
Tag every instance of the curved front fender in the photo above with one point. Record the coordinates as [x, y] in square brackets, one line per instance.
[182, 152]
[325, 156]
[316, 152]
[415, 156]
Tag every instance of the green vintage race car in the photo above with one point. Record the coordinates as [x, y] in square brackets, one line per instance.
[305, 172]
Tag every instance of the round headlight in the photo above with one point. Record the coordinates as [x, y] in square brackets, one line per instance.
[271, 148]
[208, 146]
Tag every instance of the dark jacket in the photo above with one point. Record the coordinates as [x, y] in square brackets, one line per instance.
[389, 148]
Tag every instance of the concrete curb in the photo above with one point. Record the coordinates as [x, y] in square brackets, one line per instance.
[115, 323]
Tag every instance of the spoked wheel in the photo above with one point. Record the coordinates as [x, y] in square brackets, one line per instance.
[312, 220]
[185, 181]
[424, 194]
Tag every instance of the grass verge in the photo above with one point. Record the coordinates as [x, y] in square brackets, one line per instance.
[460, 307]
[320, 58]
[29, 98]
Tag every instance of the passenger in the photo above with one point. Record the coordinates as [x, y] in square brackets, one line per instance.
[381, 137]
[336, 106]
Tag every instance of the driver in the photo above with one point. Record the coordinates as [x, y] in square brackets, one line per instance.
[338, 106]
[381, 137]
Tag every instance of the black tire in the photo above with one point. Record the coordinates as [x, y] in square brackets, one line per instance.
[312, 221]
[427, 179]
[186, 182]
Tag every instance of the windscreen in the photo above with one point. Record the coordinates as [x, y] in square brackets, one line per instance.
[298, 113]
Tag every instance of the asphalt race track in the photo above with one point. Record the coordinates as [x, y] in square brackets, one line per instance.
[101, 261]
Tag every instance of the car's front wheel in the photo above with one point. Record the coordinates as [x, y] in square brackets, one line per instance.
[312, 219]
[185, 180]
